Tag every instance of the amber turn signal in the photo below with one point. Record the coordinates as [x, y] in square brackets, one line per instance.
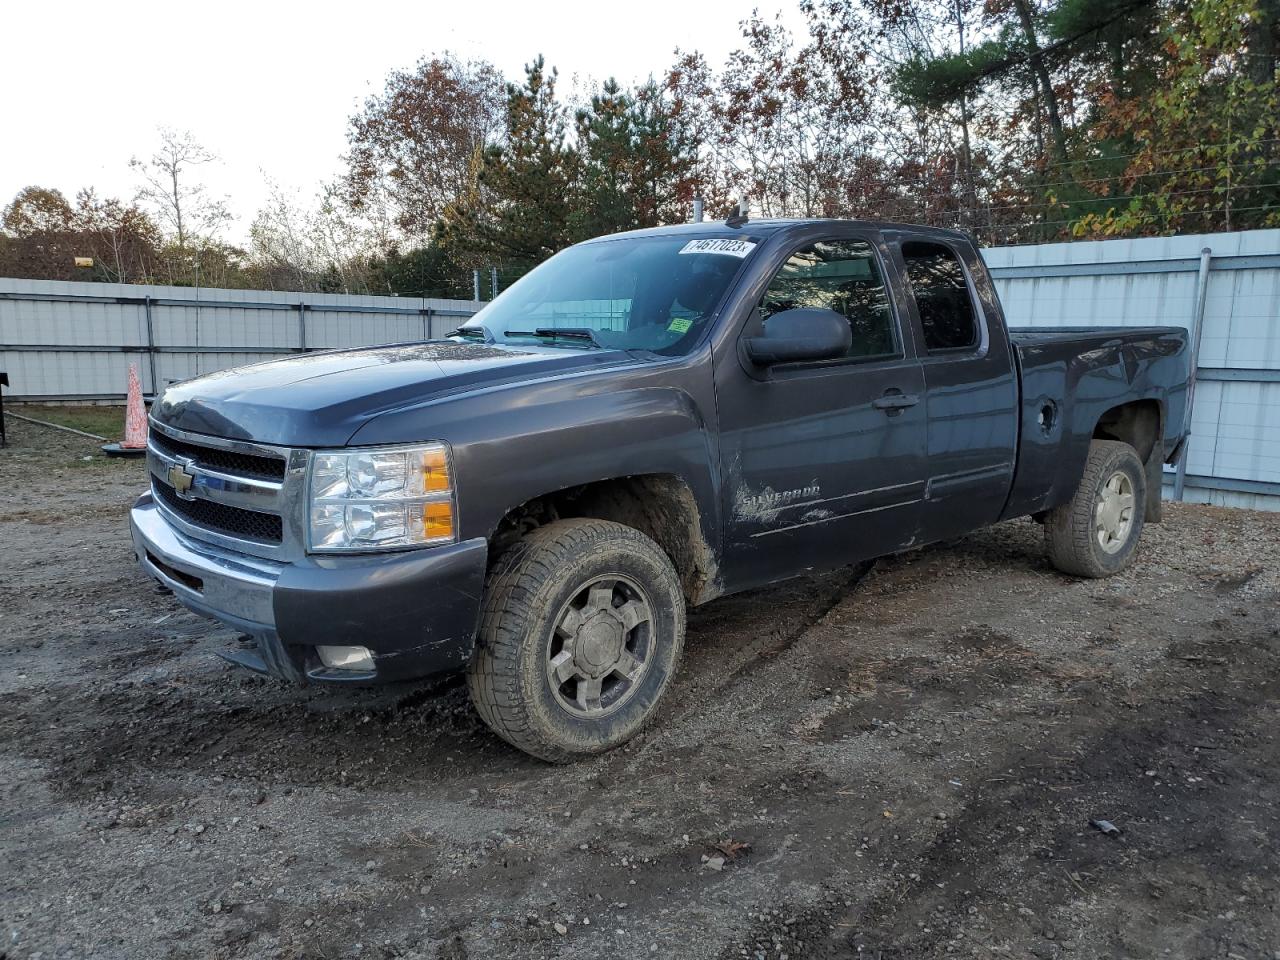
[437, 520]
[435, 470]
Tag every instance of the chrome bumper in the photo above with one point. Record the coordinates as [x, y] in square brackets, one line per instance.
[415, 610]
[231, 587]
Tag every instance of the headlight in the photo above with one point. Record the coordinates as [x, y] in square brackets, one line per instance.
[374, 499]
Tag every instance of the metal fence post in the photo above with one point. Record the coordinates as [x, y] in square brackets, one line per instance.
[302, 327]
[493, 283]
[4, 382]
[1197, 332]
[151, 345]
[475, 284]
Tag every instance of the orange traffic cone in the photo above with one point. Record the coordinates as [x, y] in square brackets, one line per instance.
[135, 422]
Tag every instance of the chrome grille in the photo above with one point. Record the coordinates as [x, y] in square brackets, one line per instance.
[234, 493]
[245, 464]
[233, 521]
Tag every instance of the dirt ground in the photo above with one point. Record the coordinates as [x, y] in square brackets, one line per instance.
[905, 767]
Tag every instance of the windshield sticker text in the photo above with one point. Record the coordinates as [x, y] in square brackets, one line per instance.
[731, 248]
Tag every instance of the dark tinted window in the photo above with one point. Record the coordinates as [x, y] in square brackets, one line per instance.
[946, 310]
[839, 275]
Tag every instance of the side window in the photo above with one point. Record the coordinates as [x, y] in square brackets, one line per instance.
[942, 296]
[839, 275]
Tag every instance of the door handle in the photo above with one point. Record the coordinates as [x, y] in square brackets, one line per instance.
[895, 401]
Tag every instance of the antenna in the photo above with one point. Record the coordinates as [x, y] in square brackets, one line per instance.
[739, 218]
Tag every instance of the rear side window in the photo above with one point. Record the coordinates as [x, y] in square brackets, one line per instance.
[839, 275]
[942, 296]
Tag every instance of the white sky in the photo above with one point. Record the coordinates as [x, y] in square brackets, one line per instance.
[269, 85]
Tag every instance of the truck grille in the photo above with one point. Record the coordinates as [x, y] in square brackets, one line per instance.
[234, 492]
[231, 521]
[228, 461]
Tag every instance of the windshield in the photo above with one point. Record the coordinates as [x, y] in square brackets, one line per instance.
[638, 293]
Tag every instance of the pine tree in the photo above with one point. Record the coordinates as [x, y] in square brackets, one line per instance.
[637, 165]
[527, 186]
[606, 142]
[664, 171]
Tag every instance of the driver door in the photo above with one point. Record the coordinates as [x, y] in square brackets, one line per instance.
[823, 464]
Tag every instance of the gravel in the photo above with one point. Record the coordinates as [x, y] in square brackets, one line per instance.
[912, 764]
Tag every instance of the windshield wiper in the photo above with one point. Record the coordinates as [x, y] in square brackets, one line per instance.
[561, 333]
[473, 333]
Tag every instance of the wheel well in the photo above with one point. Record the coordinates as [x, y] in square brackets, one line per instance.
[661, 506]
[1140, 424]
[1137, 424]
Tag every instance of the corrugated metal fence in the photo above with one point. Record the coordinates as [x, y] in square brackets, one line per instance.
[1234, 456]
[75, 341]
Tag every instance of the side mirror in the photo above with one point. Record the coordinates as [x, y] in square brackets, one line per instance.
[794, 336]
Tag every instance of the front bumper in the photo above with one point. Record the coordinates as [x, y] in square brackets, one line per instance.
[416, 611]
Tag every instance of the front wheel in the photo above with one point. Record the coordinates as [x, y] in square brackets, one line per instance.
[580, 634]
[1095, 533]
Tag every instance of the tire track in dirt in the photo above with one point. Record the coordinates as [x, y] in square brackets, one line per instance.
[782, 640]
[670, 721]
[1020, 839]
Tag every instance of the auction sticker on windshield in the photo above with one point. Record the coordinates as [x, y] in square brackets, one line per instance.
[731, 248]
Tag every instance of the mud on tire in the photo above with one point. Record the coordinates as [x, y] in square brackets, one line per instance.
[581, 630]
[1095, 533]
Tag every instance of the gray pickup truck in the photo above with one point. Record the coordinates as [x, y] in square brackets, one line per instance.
[645, 421]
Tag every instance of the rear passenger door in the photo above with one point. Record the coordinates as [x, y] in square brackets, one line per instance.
[971, 387]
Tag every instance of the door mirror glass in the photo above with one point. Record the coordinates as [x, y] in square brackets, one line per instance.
[801, 335]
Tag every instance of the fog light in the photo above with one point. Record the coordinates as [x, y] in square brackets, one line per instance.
[346, 658]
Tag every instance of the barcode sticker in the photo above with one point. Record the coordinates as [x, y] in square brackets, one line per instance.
[730, 248]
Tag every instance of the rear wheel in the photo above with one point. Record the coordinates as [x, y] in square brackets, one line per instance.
[581, 632]
[1095, 533]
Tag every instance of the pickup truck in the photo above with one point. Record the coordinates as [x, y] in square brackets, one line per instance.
[644, 422]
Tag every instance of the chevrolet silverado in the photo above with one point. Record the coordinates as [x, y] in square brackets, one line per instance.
[644, 422]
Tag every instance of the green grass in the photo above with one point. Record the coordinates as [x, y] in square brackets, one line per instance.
[104, 421]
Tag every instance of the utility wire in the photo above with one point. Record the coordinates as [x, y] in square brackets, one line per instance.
[1237, 164]
[1130, 196]
[1164, 215]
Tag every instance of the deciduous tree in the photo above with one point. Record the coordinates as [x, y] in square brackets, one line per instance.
[172, 189]
[1199, 148]
[121, 238]
[413, 147]
[43, 235]
[311, 246]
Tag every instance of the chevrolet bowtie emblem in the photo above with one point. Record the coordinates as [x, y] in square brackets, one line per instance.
[179, 478]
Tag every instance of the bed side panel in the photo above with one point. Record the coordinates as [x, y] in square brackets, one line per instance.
[1068, 383]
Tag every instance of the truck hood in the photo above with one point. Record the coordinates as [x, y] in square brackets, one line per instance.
[321, 399]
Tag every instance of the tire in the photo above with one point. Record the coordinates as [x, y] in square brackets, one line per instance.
[1096, 532]
[561, 605]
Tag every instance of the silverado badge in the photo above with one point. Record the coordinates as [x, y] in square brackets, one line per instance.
[179, 478]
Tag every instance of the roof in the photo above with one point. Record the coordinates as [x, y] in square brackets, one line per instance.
[767, 227]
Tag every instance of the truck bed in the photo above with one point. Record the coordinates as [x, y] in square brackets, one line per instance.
[1070, 377]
